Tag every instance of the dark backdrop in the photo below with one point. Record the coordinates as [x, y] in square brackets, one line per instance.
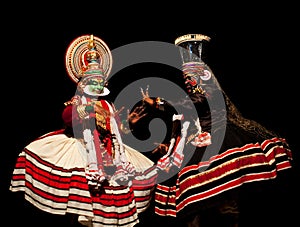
[256, 64]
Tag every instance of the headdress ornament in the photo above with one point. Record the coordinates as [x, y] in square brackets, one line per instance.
[191, 37]
[85, 53]
[195, 71]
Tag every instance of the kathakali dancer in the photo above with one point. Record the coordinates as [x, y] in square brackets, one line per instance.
[224, 152]
[84, 168]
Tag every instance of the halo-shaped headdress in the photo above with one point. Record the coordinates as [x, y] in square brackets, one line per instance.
[76, 56]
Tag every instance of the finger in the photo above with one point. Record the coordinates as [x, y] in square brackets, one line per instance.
[120, 110]
[147, 91]
[141, 110]
[155, 150]
[137, 109]
[143, 115]
[142, 91]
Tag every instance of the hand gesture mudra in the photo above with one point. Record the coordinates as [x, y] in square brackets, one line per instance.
[140, 111]
[161, 148]
[146, 97]
[137, 114]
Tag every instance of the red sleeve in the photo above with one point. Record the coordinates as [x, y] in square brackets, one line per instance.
[70, 116]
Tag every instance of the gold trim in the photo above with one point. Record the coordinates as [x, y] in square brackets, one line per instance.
[191, 37]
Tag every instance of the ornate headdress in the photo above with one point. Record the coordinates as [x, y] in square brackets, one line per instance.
[88, 57]
[194, 69]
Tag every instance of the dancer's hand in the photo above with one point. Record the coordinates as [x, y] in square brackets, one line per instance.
[161, 148]
[146, 97]
[137, 114]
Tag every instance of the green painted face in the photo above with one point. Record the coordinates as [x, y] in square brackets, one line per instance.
[95, 85]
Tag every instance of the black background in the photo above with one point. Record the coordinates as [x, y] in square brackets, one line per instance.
[254, 57]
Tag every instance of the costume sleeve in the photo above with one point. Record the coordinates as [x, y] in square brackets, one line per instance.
[70, 116]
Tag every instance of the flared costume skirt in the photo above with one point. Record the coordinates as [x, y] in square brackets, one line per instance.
[211, 173]
[51, 171]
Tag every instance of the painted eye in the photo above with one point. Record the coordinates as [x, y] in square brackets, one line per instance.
[95, 82]
[206, 75]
